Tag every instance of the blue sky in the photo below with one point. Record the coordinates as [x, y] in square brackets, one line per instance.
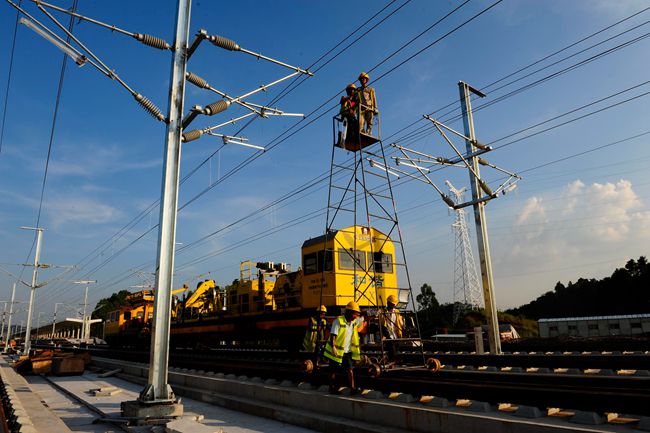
[582, 216]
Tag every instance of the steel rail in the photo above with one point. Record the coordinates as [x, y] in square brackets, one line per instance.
[598, 393]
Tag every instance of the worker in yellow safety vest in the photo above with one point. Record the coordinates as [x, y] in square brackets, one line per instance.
[343, 347]
[315, 334]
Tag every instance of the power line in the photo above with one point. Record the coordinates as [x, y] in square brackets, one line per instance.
[428, 127]
[152, 206]
[310, 123]
[319, 212]
[11, 66]
[524, 129]
[276, 142]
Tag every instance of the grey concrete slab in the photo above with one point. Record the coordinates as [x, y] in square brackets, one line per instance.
[75, 416]
[214, 417]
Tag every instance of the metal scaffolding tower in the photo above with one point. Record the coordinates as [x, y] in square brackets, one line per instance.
[362, 197]
[467, 288]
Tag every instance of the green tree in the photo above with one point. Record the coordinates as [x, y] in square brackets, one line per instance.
[427, 298]
[112, 303]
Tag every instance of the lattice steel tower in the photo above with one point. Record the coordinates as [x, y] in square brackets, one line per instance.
[467, 288]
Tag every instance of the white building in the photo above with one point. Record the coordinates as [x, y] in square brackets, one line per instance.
[595, 326]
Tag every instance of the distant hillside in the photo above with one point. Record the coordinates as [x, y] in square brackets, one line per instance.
[626, 291]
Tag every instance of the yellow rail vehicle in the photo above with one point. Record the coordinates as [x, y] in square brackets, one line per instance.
[269, 303]
[353, 264]
[130, 321]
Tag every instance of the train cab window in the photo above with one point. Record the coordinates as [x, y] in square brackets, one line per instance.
[383, 262]
[347, 260]
[127, 315]
[243, 303]
[318, 262]
[325, 264]
[233, 297]
[311, 263]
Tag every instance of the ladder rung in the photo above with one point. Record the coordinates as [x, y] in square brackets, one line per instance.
[386, 239]
[341, 208]
[380, 195]
[381, 217]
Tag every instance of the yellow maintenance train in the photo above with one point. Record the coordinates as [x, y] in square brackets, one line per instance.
[269, 303]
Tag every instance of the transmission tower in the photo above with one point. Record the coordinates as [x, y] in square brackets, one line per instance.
[467, 288]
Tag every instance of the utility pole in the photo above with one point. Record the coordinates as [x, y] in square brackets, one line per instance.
[11, 313]
[38, 325]
[471, 160]
[157, 398]
[56, 305]
[4, 317]
[30, 307]
[86, 320]
[480, 220]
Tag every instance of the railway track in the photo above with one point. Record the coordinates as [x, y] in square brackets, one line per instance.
[588, 392]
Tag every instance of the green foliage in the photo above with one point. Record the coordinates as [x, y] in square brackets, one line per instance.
[524, 326]
[112, 303]
[427, 298]
[626, 291]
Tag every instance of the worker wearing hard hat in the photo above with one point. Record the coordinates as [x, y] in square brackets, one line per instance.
[315, 334]
[350, 102]
[368, 104]
[391, 324]
[343, 347]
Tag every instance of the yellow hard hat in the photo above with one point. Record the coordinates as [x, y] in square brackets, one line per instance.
[351, 86]
[364, 75]
[353, 306]
[392, 299]
[323, 309]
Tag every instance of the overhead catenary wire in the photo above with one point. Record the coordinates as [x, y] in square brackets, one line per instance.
[425, 129]
[569, 121]
[143, 214]
[319, 212]
[142, 100]
[185, 178]
[528, 66]
[149, 40]
[50, 144]
[9, 75]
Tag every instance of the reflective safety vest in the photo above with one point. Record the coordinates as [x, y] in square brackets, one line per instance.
[314, 334]
[339, 342]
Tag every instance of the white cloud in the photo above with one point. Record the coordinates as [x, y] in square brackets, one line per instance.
[96, 160]
[79, 209]
[617, 8]
[579, 221]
